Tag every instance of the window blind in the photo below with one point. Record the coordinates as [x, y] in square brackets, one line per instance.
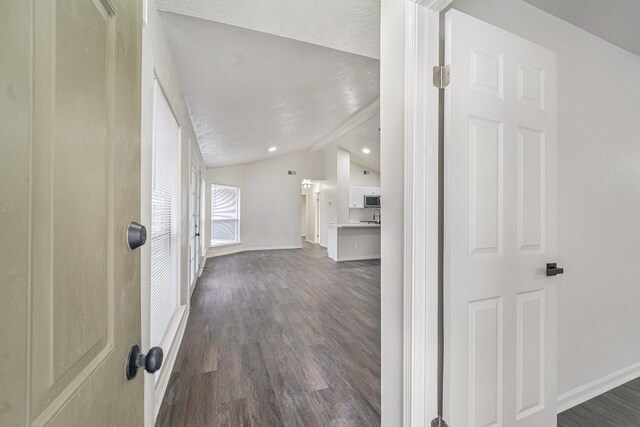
[225, 214]
[164, 218]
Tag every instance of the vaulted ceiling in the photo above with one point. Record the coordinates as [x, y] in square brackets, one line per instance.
[367, 135]
[348, 25]
[272, 74]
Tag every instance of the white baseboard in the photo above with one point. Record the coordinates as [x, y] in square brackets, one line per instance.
[247, 249]
[170, 353]
[203, 262]
[356, 258]
[597, 387]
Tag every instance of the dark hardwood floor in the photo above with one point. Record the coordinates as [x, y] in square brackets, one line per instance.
[279, 338]
[619, 407]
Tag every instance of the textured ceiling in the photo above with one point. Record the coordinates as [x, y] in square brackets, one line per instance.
[247, 91]
[366, 135]
[616, 21]
[347, 25]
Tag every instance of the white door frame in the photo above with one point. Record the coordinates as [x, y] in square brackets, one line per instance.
[318, 211]
[422, 212]
[195, 208]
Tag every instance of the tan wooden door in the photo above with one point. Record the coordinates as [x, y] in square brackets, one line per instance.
[70, 184]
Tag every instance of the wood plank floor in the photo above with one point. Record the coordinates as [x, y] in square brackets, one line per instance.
[279, 338]
[619, 407]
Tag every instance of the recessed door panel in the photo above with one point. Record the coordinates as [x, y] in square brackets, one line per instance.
[485, 186]
[81, 285]
[531, 189]
[531, 85]
[486, 71]
[485, 363]
[72, 178]
[530, 358]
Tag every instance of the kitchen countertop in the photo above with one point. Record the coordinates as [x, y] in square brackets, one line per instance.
[355, 225]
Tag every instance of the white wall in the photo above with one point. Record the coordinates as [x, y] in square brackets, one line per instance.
[392, 57]
[598, 193]
[303, 215]
[359, 179]
[334, 190]
[270, 200]
[344, 178]
[329, 193]
[157, 60]
[361, 214]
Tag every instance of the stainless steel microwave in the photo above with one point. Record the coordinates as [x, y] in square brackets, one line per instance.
[372, 201]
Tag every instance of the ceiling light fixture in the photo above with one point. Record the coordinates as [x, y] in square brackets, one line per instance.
[272, 149]
[366, 150]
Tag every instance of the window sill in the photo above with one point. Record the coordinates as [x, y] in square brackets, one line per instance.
[222, 245]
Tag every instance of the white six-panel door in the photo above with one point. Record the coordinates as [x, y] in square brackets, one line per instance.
[500, 228]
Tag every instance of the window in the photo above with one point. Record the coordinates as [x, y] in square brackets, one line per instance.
[225, 215]
[165, 232]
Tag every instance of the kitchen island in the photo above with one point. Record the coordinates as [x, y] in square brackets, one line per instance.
[351, 242]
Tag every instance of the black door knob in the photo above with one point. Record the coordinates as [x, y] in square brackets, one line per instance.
[136, 235]
[553, 269]
[151, 362]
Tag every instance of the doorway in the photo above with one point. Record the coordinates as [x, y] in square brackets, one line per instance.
[303, 216]
[195, 226]
[318, 220]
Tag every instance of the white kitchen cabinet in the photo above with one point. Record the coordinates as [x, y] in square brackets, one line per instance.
[356, 197]
[372, 191]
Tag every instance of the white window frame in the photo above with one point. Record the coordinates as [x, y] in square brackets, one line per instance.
[238, 217]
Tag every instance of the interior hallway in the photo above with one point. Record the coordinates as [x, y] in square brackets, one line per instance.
[286, 337]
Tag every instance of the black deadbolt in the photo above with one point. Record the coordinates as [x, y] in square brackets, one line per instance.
[151, 362]
[136, 235]
[553, 269]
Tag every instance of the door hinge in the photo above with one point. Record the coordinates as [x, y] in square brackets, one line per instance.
[439, 422]
[441, 76]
